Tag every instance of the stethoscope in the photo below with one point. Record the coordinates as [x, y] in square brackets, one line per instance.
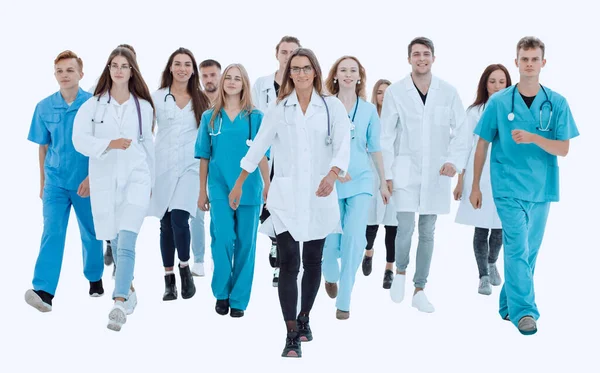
[139, 114]
[170, 113]
[352, 126]
[328, 139]
[248, 141]
[511, 115]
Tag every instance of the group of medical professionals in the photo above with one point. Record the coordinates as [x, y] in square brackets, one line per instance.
[308, 159]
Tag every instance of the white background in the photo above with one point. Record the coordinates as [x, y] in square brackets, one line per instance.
[465, 334]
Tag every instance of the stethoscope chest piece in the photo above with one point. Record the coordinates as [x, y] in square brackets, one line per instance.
[511, 116]
[328, 140]
[249, 142]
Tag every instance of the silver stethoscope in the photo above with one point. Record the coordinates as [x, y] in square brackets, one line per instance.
[139, 115]
[248, 141]
[328, 139]
[352, 126]
[511, 115]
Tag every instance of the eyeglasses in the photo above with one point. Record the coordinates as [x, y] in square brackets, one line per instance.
[120, 68]
[296, 70]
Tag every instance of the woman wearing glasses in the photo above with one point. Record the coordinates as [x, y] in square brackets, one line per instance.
[310, 135]
[114, 129]
[226, 132]
[380, 212]
[179, 106]
[347, 80]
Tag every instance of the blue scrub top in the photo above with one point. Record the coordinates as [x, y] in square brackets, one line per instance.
[52, 125]
[365, 141]
[227, 150]
[525, 171]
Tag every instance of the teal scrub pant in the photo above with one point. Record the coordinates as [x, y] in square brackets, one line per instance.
[233, 245]
[349, 247]
[523, 225]
[57, 204]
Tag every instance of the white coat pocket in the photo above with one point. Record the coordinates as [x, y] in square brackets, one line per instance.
[402, 168]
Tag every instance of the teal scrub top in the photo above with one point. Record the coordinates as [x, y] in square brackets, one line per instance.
[364, 140]
[52, 125]
[224, 152]
[525, 171]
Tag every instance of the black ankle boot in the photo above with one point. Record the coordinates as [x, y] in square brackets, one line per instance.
[170, 288]
[222, 306]
[188, 289]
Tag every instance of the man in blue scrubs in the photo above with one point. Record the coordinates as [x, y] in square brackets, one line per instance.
[63, 183]
[529, 126]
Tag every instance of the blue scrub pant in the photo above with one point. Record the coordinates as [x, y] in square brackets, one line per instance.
[57, 204]
[348, 246]
[124, 254]
[197, 234]
[233, 244]
[523, 225]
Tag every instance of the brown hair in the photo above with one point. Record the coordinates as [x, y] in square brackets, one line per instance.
[245, 95]
[287, 84]
[423, 41]
[128, 47]
[200, 101]
[333, 87]
[287, 39]
[378, 84]
[69, 54]
[482, 92]
[137, 85]
[531, 42]
[209, 63]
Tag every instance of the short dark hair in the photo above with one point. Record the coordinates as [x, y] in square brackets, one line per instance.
[288, 39]
[531, 42]
[423, 41]
[209, 63]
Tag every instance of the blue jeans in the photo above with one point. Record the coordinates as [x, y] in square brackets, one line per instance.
[124, 259]
[406, 228]
[197, 234]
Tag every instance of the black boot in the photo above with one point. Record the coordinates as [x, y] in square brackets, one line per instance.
[222, 306]
[170, 288]
[388, 278]
[188, 289]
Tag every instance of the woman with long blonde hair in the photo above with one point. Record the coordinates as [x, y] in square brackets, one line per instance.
[226, 132]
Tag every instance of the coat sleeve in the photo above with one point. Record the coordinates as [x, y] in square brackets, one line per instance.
[341, 137]
[460, 137]
[390, 119]
[83, 139]
[256, 93]
[262, 142]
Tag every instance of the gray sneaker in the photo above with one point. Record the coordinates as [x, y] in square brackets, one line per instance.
[495, 278]
[485, 287]
[527, 325]
[117, 316]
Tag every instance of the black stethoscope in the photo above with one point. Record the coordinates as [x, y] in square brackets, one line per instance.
[171, 113]
[248, 141]
[511, 115]
[139, 114]
[328, 139]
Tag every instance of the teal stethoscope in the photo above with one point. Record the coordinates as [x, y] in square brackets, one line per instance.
[328, 139]
[139, 115]
[546, 128]
[248, 141]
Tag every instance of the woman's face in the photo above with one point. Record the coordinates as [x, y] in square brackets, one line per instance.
[347, 74]
[232, 84]
[302, 72]
[380, 93]
[182, 68]
[496, 82]
[120, 70]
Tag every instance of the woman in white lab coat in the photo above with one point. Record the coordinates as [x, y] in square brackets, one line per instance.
[179, 106]
[380, 213]
[310, 135]
[264, 94]
[114, 129]
[487, 249]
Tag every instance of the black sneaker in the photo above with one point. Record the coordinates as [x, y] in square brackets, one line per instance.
[292, 345]
[222, 306]
[304, 329]
[234, 312]
[276, 278]
[39, 300]
[367, 265]
[96, 289]
[388, 279]
[108, 255]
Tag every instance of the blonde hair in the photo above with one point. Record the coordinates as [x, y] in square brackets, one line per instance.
[245, 94]
[333, 87]
[378, 84]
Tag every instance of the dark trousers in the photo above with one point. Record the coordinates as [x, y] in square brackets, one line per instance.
[175, 233]
[486, 249]
[390, 239]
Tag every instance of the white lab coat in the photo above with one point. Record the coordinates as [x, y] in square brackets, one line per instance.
[486, 216]
[379, 213]
[120, 180]
[263, 93]
[177, 171]
[303, 160]
[428, 136]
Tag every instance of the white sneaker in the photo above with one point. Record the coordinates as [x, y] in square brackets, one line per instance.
[117, 317]
[421, 302]
[485, 287]
[397, 289]
[131, 302]
[495, 278]
[198, 269]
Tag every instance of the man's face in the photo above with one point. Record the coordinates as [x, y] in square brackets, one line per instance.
[210, 77]
[530, 62]
[67, 73]
[421, 59]
[284, 52]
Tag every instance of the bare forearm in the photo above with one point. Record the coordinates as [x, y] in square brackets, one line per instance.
[554, 147]
[264, 170]
[479, 161]
[378, 160]
[203, 174]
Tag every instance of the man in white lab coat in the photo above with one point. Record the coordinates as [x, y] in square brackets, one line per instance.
[426, 116]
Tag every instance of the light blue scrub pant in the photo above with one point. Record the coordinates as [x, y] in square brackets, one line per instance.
[197, 234]
[233, 245]
[523, 225]
[125, 257]
[349, 247]
[57, 204]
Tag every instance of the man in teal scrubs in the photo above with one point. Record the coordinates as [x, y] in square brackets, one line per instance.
[529, 126]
